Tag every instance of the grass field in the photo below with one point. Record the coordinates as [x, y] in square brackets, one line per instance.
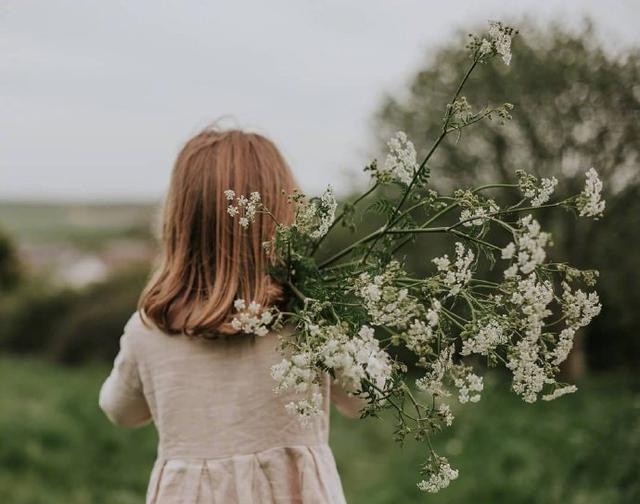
[56, 447]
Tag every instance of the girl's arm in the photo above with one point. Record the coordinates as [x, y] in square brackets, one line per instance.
[121, 397]
[346, 404]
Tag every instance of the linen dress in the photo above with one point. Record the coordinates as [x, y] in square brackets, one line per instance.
[224, 436]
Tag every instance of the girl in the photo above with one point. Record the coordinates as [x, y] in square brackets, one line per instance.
[224, 436]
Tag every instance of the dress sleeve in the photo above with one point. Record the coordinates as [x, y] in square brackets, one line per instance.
[121, 396]
[348, 405]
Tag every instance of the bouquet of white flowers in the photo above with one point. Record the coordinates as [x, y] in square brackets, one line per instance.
[356, 309]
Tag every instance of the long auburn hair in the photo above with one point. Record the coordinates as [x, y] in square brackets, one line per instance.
[207, 260]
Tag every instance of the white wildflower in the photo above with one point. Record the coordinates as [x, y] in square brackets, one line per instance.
[400, 163]
[529, 247]
[245, 208]
[469, 387]
[540, 193]
[500, 37]
[306, 409]
[315, 216]
[590, 202]
[252, 318]
[357, 358]
[420, 334]
[477, 216]
[432, 382]
[455, 276]
[564, 346]
[559, 392]
[438, 474]
[528, 376]
[579, 307]
[444, 412]
[385, 303]
[486, 339]
[531, 299]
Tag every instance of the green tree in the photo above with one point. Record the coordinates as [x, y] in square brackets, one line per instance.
[576, 106]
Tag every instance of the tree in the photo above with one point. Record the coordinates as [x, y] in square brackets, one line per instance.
[576, 106]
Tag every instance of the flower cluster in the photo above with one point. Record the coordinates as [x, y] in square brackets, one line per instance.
[357, 359]
[245, 208]
[528, 249]
[357, 362]
[469, 387]
[457, 274]
[315, 216]
[579, 309]
[498, 42]
[460, 113]
[438, 474]
[386, 304]
[485, 339]
[537, 192]
[433, 381]
[420, 334]
[477, 216]
[589, 202]
[400, 164]
[252, 318]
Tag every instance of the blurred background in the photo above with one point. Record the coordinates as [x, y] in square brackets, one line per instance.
[99, 96]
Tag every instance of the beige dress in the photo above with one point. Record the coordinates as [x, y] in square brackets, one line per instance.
[224, 436]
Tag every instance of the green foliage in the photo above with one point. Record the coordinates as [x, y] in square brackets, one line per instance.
[57, 446]
[70, 325]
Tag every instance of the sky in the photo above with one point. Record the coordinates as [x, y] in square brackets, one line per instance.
[98, 97]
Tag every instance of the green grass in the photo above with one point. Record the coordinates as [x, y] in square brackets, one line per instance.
[56, 446]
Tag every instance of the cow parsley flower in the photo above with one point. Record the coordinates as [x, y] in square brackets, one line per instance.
[469, 387]
[386, 303]
[458, 274]
[579, 307]
[559, 392]
[460, 113]
[357, 358]
[500, 38]
[244, 207]
[444, 412]
[401, 163]
[306, 409]
[478, 216]
[530, 301]
[537, 192]
[529, 376]
[528, 249]
[433, 381]
[315, 216]
[590, 202]
[438, 474]
[420, 334]
[485, 340]
[565, 343]
[251, 318]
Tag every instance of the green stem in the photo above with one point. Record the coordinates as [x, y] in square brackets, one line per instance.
[435, 145]
[348, 249]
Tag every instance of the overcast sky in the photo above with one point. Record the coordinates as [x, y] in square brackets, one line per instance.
[98, 96]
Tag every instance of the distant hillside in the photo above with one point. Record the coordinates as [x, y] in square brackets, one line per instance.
[79, 243]
[83, 225]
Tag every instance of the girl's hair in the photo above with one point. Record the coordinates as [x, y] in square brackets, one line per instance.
[207, 260]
